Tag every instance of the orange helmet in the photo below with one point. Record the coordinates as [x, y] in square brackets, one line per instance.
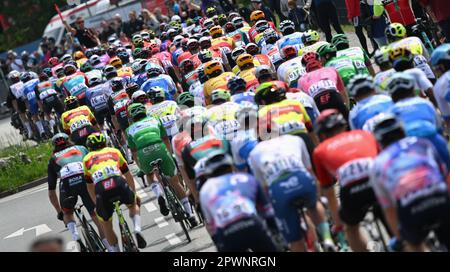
[116, 62]
[78, 55]
[216, 31]
[257, 15]
[212, 66]
[243, 60]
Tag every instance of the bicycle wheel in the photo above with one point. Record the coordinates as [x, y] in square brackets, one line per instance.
[97, 241]
[178, 213]
[128, 241]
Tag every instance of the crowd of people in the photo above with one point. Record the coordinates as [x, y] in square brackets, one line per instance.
[252, 121]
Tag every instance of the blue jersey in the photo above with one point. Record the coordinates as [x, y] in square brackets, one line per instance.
[406, 171]
[418, 115]
[441, 92]
[368, 108]
[97, 96]
[244, 97]
[163, 81]
[175, 55]
[294, 39]
[231, 197]
[139, 79]
[29, 90]
[241, 146]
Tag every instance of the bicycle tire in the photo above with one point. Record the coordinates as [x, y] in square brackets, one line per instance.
[178, 213]
[185, 230]
[87, 241]
[130, 240]
[99, 246]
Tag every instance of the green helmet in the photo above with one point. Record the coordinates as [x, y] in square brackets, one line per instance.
[136, 110]
[220, 95]
[137, 52]
[340, 39]
[326, 49]
[185, 99]
[86, 67]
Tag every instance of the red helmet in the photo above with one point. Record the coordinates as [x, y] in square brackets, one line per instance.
[154, 47]
[53, 61]
[307, 57]
[289, 51]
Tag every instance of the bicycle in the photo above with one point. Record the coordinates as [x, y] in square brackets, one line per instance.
[128, 243]
[420, 31]
[174, 204]
[373, 225]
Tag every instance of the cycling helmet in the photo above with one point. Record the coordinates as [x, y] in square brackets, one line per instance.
[381, 55]
[177, 40]
[270, 92]
[229, 27]
[213, 68]
[219, 96]
[137, 40]
[222, 19]
[109, 72]
[395, 31]
[205, 42]
[193, 45]
[263, 73]
[187, 65]
[440, 54]
[124, 57]
[215, 32]
[401, 58]
[116, 62]
[117, 84]
[236, 85]
[256, 16]
[157, 94]
[237, 52]
[217, 162]
[70, 69]
[94, 81]
[270, 36]
[78, 55]
[139, 96]
[26, 76]
[96, 141]
[252, 49]
[328, 120]
[176, 18]
[210, 12]
[399, 83]
[205, 56]
[186, 99]
[184, 43]
[14, 76]
[137, 111]
[53, 61]
[71, 102]
[47, 71]
[388, 129]
[287, 27]
[245, 60]
[208, 23]
[65, 58]
[60, 139]
[171, 33]
[310, 37]
[43, 77]
[289, 52]
[360, 83]
[308, 56]
[202, 77]
[261, 26]
[238, 22]
[205, 32]
[145, 35]
[340, 41]
[153, 70]
[89, 52]
[59, 72]
[94, 60]
[86, 67]
[131, 88]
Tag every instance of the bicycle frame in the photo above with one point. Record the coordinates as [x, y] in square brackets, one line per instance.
[128, 244]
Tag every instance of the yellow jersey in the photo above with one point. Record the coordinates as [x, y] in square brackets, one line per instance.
[218, 82]
[104, 164]
[77, 118]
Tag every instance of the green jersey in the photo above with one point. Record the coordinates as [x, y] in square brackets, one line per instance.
[356, 54]
[167, 112]
[347, 67]
[145, 133]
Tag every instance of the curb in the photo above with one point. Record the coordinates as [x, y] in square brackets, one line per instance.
[24, 187]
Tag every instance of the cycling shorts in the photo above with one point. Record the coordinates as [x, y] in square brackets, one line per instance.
[22, 107]
[331, 100]
[417, 218]
[246, 233]
[109, 191]
[70, 189]
[33, 107]
[53, 102]
[356, 200]
[79, 136]
[102, 115]
[123, 122]
[152, 153]
[297, 187]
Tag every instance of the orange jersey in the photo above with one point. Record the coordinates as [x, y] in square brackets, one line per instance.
[219, 82]
[103, 164]
[249, 77]
[223, 42]
[345, 147]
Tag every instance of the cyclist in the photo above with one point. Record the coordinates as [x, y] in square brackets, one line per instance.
[156, 78]
[311, 41]
[75, 83]
[409, 179]
[381, 79]
[66, 164]
[18, 99]
[247, 70]
[108, 179]
[164, 110]
[237, 212]
[290, 36]
[291, 69]
[148, 142]
[78, 121]
[255, 16]
[48, 100]
[89, 71]
[190, 74]
[345, 156]
[270, 47]
[238, 90]
[264, 73]
[221, 116]
[217, 79]
[97, 99]
[440, 59]
[368, 103]
[31, 102]
[196, 89]
[140, 75]
[186, 100]
[356, 54]
[419, 115]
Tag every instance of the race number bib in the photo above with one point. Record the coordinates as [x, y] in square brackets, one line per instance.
[292, 126]
[17, 90]
[31, 95]
[295, 74]
[122, 104]
[105, 173]
[47, 93]
[359, 65]
[99, 100]
[354, 170]
[321, 86]
[79, 88]
[227, 127]
[272, 170]
[79, 124]
[421, 63]
[169, 122]
[71, 169]
[229, 213]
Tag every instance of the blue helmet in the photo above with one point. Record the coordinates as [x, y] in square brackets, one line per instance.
[442, 52]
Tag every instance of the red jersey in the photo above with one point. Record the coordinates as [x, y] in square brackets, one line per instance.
[345, 147]
[196, 60]
[183, 56]
[400, 11]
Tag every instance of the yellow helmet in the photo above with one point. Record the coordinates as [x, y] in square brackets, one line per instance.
[116, 62]
[243, 60]
[212, 67]
[257, 15]
[78, 55]
[216, 31]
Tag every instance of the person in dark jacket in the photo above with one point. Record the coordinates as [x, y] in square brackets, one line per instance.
[134, 25]
[297, 16]
[327, 15]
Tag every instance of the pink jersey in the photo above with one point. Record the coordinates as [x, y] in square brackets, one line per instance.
[326, 73]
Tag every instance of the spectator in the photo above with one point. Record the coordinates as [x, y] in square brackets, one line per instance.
[190, 8]
[134, 25]
[355, 18]
[441, 10]
[107, 30]
[13, 62]
[257, 5]
[86, 36]
[377, 24]
[25, 58]
[46, 52]
[47, 244]
[296, 15]
[150, 20]
[160, 17]
[173, 7]
[118, 24]
[327, 15]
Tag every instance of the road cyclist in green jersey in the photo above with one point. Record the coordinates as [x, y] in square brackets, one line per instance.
[147, 138]
[356, 54]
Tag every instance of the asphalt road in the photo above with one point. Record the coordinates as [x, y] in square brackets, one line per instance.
[29, 214]
[8, 134]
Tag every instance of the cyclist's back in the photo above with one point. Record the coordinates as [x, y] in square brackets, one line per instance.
[367, 108]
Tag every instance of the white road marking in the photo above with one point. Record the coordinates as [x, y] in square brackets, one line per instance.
[150, 207]
[161, 222]
[139, 190]
[40, 229]
[173, 239]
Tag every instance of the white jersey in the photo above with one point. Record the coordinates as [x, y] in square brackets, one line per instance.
[441, 92]
[306, 100]
[422, 82]
[291, 70]
[17, 90]
[196, 89]
[168, 112]
[270, 159]
[222, 119]
[241, 145]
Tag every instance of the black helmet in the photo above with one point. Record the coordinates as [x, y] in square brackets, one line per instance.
[236, 84]
[109, 72]
[328, 120]
[116, 84]
[388, 129]
[26, 76]
[217, 161]
[131, 88]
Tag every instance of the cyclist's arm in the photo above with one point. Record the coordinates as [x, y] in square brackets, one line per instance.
[52, 180]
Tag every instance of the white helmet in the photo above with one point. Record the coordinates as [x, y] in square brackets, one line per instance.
[176, 18]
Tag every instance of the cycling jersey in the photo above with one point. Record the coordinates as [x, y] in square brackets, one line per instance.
[118, 103]
[97, 97]
[125, 72]
[167, 112]
[311, 48]
[104, 164]
[252, 33]
[368, 108]
[94, 74]
[382, 79]
[196, 89]
[44, 90]
[67, 165]
[139, 79]
[249, 76]
[16, 90]
[239, 37]
[441, 93]
[30, 93]
[77, 119]
[175, 54]
[245, 97]
[241, 146]
[312, 78]
[307, 102]
[164, 81]
[422, 83]
[76, 85]
[332, 155]
[164, 59]
[290, 71]
[356, 54]
[272, 51]
[222, 119]
[191, 78]
[183, 56]
[289, 117]
[294, 39]
[347, 67]
[218, 82]
[223, 41]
